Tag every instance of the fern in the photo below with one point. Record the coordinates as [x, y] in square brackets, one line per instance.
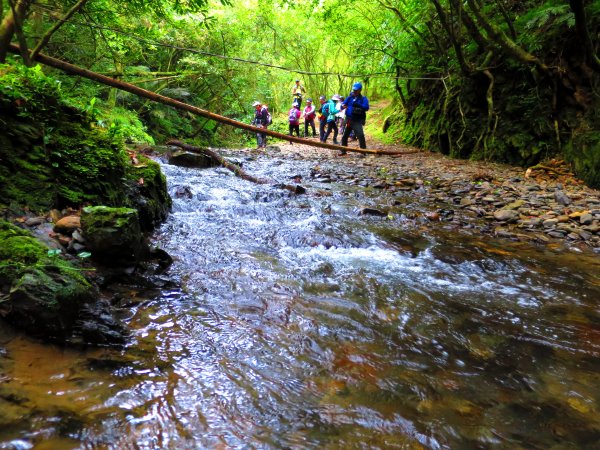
[547, 15]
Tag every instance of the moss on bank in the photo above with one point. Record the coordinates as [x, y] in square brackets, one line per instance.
[39, 291]
[51, 156]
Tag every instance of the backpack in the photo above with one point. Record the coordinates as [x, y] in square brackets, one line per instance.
[293, 116]
[269, 118]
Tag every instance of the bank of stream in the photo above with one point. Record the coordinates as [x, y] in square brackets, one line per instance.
[341, 318]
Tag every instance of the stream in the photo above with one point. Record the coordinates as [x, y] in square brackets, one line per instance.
[293, 321]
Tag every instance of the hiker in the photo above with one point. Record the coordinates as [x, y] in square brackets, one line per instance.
[322, 118]
[294, 119]
[261, 120]
[309, 115]
[331, 109]
[356, 107]
[340, 117]
[297, 92]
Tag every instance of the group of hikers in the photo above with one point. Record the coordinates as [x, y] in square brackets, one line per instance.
[345, 116]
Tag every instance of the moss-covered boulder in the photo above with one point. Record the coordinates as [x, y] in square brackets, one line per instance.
[53, 156]
[147, 192]
[39, 292]
[113, 235]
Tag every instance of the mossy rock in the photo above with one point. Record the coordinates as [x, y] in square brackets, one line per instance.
[51, 156]
[39, 293]
[147, 192]
[113, 235]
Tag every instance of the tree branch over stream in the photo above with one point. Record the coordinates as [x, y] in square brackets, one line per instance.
[136, 90]
[233, 167]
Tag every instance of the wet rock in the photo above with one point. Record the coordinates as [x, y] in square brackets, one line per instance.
[67, 225]
[75, 247]
[299, 189]
[594, 228]
[183, 191]
[549, 223]
[113, 235]
[586, 219]
[78, 237]
[372, 212]
[97, 326]
[561, 198]
[43, 293]
[515, 205]
[35, 221]
[556, 234]
[188, 159]
[506, 215]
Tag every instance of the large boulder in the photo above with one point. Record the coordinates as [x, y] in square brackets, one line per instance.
[113, 235]
[188, 159]
[39, 291]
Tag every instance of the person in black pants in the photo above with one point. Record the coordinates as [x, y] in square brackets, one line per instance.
[356, 107]
[309, 115]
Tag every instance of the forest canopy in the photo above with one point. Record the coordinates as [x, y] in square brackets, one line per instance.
[506, 80]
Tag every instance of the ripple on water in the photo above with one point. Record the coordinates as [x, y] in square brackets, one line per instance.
[298, 323]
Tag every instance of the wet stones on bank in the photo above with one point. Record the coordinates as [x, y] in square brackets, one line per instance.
[547, 206]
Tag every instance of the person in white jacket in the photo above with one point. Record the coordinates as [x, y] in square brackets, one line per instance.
[340, 117]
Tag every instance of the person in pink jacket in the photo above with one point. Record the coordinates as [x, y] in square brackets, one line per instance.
[309, 115]
[294, 119]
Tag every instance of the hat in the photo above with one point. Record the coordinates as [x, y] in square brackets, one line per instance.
[297, 81]
[335, 97]
[295, 105]
[357, 86]
[256, 103]
[309, 100]
[322, 97]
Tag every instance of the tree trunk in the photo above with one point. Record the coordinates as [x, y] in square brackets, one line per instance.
[46, 38]
[503, 41]
[297, 189]
[74, 70]
[578, 9]
[464, 66]
[9, 27]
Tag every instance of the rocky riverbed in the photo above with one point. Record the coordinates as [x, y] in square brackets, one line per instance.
[547, 204]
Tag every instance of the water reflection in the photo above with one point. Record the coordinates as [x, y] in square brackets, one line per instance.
[297, 323]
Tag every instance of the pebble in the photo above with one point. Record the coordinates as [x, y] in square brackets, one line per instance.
[544, 209]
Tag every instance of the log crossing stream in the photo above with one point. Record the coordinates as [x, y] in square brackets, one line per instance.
[293, 321]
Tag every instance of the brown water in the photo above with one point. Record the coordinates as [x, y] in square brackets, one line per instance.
[293, 322]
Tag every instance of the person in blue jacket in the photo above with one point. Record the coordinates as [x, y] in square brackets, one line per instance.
[356, 107]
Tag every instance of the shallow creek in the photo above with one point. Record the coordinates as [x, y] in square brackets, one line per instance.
[295, 322]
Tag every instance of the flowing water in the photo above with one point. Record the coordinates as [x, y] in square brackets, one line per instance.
[294, 322]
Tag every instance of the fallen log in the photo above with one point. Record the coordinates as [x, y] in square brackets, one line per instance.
[297, 189]
[75, 70]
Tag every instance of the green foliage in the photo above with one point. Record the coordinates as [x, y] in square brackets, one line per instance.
[221, 59]
[20, 253]
[60, 159]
